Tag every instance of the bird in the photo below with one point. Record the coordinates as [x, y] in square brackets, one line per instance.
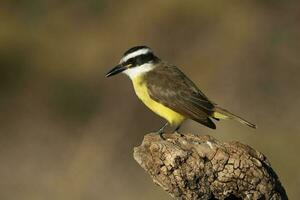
[168, 92]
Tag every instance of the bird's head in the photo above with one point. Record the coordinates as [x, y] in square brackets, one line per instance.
[135, 61]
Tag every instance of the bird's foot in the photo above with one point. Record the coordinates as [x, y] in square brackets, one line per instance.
[161, 135]
[161, 131]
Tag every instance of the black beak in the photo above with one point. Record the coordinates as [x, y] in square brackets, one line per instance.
[117, 69]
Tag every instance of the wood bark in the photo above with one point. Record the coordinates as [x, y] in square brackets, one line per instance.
[192, 167]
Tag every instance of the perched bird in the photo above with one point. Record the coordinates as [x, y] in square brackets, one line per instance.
[167, 91]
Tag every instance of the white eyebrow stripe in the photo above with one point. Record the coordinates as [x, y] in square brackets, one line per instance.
[134, 54]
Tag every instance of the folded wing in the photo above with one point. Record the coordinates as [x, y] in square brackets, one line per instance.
[169, 86]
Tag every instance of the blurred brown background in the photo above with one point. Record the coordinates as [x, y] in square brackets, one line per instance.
[67, 132]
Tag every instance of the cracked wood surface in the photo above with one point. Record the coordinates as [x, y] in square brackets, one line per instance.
[201, 167]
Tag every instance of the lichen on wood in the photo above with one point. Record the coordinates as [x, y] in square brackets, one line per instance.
[192, 167]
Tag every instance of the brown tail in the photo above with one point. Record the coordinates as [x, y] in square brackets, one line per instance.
[221, 113]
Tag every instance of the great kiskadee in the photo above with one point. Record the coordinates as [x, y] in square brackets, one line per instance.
[167, 91]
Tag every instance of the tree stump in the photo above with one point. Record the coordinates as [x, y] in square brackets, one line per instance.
[200, 167]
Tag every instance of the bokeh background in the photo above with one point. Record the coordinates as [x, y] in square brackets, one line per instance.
[67, 132]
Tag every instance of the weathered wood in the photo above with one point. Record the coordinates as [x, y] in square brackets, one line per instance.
[200, 167]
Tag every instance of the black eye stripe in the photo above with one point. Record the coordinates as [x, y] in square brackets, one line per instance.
[130, 61]
[144, 58]
[141, 59]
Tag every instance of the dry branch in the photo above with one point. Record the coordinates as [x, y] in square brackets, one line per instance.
[200, 167]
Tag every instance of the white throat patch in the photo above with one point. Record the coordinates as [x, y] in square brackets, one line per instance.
[139, 70]
[135, 54]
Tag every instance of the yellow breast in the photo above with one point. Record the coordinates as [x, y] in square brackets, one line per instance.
[141, 91]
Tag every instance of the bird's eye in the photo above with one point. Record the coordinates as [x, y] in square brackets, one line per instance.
[130, 62]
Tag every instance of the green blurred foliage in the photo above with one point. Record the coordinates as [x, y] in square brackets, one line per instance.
[67, 132]
[73, 100]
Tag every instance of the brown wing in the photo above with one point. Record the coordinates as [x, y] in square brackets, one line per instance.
[169, 86]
